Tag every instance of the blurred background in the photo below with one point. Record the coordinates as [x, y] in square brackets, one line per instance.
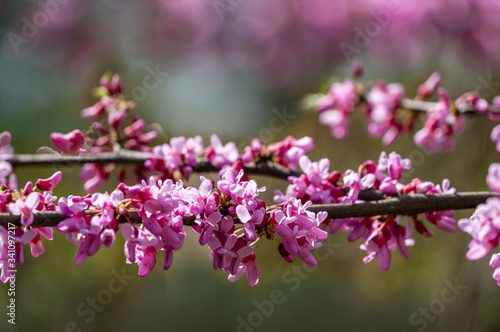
[230, 67]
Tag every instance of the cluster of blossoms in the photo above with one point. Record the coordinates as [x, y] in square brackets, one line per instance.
[93, 221]
[484, 225]
[227, 214]
[5, 151]
[25, 203]
[380, 233]
[113, 126]
[388, 116]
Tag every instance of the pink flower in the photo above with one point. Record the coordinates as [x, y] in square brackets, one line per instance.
[24, 207]
[495, 263]
[495, 136]
[430, 86]
[5, 151]
[221, 155]
[50, 183]
[93, 175]
[383, 100]
[289, 151]
[493, 178]
[336, 106]
[93, 111]
[299, 230]
[440, 126]
[116, 118]
[484, 227]
[69, 144]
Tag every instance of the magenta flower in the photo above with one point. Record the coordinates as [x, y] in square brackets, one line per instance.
[484, 227]
[50, 183]
[355, 183]
[383, 100]
[493, 177]
[25, 207]
[221, 155]
[495, 136]
[5, 151]
[495, 263]
[440, 126]
[289, 151]
[299, 230]
[93, 175]
[21, 236]
[93, 111]
[69, 144]
[427, 89]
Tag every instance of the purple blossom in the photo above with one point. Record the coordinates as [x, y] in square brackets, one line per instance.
[49, 183]
[69, 144]
[495, 263]
[221, 155]
[383, 100]
[21, 236]
[336, 106]
[384, 236]
[427, 89]
[180, 154]
[5, 151]
[484, 227]
[25, 207]
[289, 151]
[299, 230]
[495, 136]
[440, 126]
[93, 175]
[493, 177]
[355, 183]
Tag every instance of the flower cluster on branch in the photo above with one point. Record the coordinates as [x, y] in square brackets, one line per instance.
[151, 212]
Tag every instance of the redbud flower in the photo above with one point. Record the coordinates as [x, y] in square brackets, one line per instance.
[428, 88]
[221, 155]
[50, 183]
[493, 178]
[70, 143]
[495, 136]
[93, 111]
[24, 207]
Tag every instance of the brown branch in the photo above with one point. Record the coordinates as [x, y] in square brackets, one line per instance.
[138, 158]
[405, 205]
[424, 106]
[402, 205]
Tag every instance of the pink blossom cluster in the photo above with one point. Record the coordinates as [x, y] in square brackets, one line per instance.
[163, 206]
[299, 230]
[484, 225]
[5, 151]
[385, 233]
[113, 126]
[440, 126]
[25, 203]
[383, 100]
[286, 153]
[336, 106]
[387, 116]
[179, 154]
[381, 233]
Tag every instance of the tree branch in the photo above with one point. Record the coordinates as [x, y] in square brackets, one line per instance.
[402, 205]
[424, 106]
[138, 158]
[406, 205]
